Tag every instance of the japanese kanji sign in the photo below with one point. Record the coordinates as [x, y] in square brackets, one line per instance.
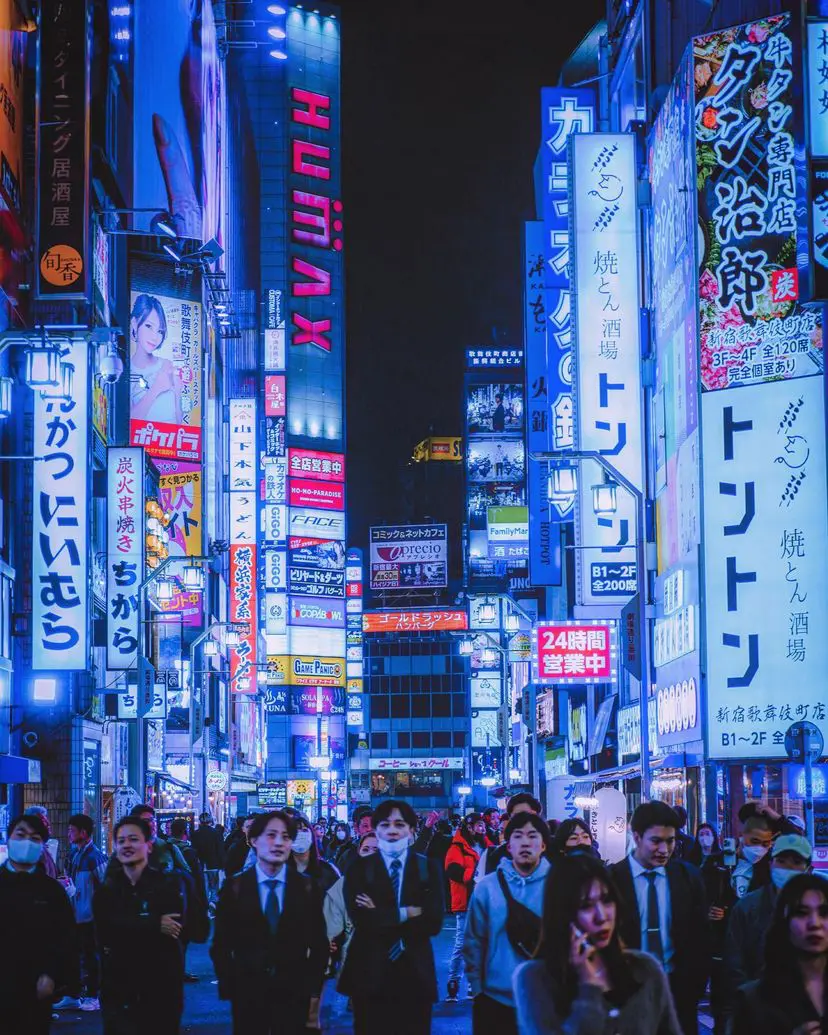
[408, 556]
[765, 526]
[751, 185]
[62, 146]
[124, 555]
[575, 652]
[607, 346]
[243, 542]
[60, 524]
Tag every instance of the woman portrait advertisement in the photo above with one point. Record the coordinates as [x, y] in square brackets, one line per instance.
[584, 980]
[155, 386]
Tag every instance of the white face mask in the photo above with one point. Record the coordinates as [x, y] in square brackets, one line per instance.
[393, 848]
[340, 835]
[780, 877]
[26, 853]
[754, 853]
[302, 841]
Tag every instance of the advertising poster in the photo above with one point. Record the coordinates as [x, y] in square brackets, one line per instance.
[243, 546]
[180, 487]
[408, 556]
[317, 611]
[492, 460]
[165, 348]
[60, 525]
[765, 525]
[751, 184]
[124, 555]
[494, 408]
[177, 147]
[316, 553]
[62, 149]
[305, 492]
[575, 652]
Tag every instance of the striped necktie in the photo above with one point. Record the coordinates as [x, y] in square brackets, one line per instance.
[397, 949]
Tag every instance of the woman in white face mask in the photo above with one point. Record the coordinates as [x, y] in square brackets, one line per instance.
[306, 859]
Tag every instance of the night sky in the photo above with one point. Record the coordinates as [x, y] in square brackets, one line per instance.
[440, 132]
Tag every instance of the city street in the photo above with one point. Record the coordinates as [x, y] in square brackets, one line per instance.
[205, 1015]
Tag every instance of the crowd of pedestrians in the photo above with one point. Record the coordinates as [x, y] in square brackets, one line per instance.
[548, 938]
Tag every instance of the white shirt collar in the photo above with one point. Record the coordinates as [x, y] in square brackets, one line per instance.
[262, 876]
[638, 869]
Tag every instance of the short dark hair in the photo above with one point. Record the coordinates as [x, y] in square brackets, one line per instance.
[522, 819]
[82, 822]
[653, 814]
[139, 810]
[180, 828]
[523, 798]
[205, 817]
[261, 820]
[360, 812]
[681, 812]
[133, 821]
[487, 812]
[34, 821]
[385, 808]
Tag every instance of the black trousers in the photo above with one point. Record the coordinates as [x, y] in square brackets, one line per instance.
[488, 1016]
[274, 1015]
[26, 1017]
[156, 1015]
[687, 1008]
[391, 1016]
[90, 966]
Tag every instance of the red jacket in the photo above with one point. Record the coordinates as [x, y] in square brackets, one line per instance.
[461, 862]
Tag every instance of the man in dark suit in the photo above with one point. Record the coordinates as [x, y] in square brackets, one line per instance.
[395, 900]
[665, 908]
[270, 946]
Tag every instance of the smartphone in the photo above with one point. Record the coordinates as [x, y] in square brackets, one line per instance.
[729, 851]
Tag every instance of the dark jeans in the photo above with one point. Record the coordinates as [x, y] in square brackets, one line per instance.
[154, 1015]
[377, 1016]
[488, 1015]
[90, 974]
[278, 1016]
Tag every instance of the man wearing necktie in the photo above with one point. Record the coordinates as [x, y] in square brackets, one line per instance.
[665, 908]
[395, 900]
[270, 946]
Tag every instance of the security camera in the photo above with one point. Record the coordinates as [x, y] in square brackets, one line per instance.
[30, 739]
[111, 366]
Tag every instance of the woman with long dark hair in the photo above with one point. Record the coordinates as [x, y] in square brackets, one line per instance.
[791, 996]
[706, 845]
[306, 858]
[585, 980]
[573, 836]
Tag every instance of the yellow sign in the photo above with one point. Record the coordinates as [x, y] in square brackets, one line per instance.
[180, 496]
[355, 686]
[304, 789]
[100, 408]
[301, 670]
[450, 449]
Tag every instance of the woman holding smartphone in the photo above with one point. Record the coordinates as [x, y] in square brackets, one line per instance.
[586, 983]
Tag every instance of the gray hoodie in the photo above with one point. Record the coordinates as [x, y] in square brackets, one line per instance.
[490, 958]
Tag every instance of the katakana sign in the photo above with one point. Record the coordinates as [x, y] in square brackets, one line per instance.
[408, 556]
[414, 621]
[380, 764]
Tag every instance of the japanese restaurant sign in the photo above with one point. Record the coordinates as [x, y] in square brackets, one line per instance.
[124, 555]
[414, 621]
[62, 147]
[243, 570]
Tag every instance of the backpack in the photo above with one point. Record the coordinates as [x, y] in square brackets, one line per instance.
[524, 929]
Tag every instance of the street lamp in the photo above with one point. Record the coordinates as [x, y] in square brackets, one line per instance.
[194, 577]
[605, 503]
[165, 590]
[466, 648]
[487, 612]
[511, 623]
[232, 638]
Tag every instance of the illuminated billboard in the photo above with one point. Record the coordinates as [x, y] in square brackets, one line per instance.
[311, 463]
[574, 652]
[495, 460]
[494, 408]
[243, 543]
[414, 621]
[408, 556]
[124, 555]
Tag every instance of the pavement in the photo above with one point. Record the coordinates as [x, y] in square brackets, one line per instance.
[205, 1014]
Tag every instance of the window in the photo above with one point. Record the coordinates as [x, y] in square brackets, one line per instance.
[420, 706]
[421, 740]
[379, 706]
[441, 739]
[379, 740]
[460, 740]
[440, 706]
[401, 706]
[459, 705]
[403, 740]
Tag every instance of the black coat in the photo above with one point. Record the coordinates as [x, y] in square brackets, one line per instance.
[688, 924]
[137, 960]
[209, 846]
[38, 935]
[251, 964]
[236, 857]
[760, 1014]
[367, 966]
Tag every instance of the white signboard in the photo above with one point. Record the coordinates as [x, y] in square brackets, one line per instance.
[124, 555]
[379, 764]
[275, 479]
[486, 691]
[765, 529]
[275, 569]
[277, 609]
[485, 729]
[60, 525]
[308, 522]
[607, 356]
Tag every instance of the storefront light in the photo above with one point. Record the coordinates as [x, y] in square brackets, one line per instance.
[487, 612]
[464, 790]
[164, 590]
[276, 33]
[194, 576]
[514, 775]
[319, 761]
[605, 499]
[511, 623]
[44, 690]
[487, 781]
[466, 648]
[232, 638]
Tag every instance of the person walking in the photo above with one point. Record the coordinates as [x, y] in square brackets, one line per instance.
[585, 982]
[751, 917]
[195, 882]
[240, 855]
[47, 859]
[504, 924]
[270, 947]
[86, 870]
[491, 857]
[665, 908]
[395, 901]
[140, 921]
[209, 846]
[38, 949]
[338, 924]
[790, 998]
[460, 864]
[572, 836]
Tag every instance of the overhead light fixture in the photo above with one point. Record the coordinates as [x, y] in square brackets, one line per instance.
[464, 790]
[163, 225]
[487, 781]
[220, 307]
[514, 775]
[211, 648]
[605, 499]
[487, 612]
[232, 638]
[488, 656]
[42, 366]
[280, 55]
[164, 590]
[6, 385]
[511, 623]
[563, 483]
[194, 576]
[172, 252]
[276, 9]
[466, 648]
[44, 690]
[276, 33]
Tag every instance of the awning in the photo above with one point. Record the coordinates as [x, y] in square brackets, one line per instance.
[168, 778]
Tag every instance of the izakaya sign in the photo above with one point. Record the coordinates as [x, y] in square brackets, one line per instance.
[608, 354]
[243, 573]
[750, 179]
[575, 652]
[60, 524]
[124, 555]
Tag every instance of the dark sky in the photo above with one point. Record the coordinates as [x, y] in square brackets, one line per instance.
[440, 132]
